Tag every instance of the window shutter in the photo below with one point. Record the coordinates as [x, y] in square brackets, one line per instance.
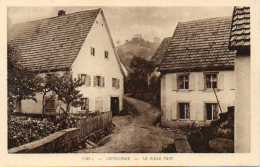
[174, 82]
[201, 81]
[192, 81]
[99, 104]
[88, 80]
[103, 81]
[177, 110]
[87, 104]
[220, 83]
[95, 80]
[118, 83]
[173, 111]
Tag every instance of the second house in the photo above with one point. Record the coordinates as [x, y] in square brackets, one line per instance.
[198, 80]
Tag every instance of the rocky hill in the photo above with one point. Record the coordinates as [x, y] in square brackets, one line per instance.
[136, 47]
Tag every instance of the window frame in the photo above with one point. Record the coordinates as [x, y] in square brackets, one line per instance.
[98, 77]
[212, 80]
[186, 110]
[115, 83]
[216, 109]
[86, 104]
[83, 81]
[100, 81]
[186, 81]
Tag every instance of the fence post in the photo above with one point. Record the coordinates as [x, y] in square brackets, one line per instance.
[90, 124]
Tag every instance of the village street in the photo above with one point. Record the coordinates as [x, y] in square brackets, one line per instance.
[137, 132]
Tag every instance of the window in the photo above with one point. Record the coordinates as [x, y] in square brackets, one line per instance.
[211, 80]
[106, 54]
[99, 81]
[115, 83]
[183, 81]
[92, 51]
[184, 111]
[84, 104]
[82, 78]
[211, 111]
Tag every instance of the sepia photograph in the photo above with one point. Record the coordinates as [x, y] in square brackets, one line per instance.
[111, 79]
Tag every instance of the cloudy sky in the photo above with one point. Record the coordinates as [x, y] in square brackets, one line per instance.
[124, 22]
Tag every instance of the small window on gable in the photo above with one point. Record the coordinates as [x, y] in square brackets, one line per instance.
[106, 54]
[211, 80]
[92, 51]
[183, 81]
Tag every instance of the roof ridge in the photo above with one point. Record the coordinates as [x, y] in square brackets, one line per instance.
[205, 19]
[69, 14]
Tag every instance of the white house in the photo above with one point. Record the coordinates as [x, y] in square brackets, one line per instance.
[240, 41]
[79, 43]
[198, 79]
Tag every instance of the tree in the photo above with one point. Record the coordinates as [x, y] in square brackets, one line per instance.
[67, 90]
[138, 78]
[47, 84]
[22, 84]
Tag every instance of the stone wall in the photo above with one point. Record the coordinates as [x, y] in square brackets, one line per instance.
[59, 142]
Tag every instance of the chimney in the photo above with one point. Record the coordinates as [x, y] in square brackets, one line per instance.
[61, 12]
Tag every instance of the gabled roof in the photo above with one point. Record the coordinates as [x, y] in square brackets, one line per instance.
[52, 43]
[161, 50]
[240, 29]
[200, 45]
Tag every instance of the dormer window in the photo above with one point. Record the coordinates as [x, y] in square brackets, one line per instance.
[106, 54]
[92, 51]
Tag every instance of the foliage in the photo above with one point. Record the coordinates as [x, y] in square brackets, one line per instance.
[137, 80]
[200, 137]
[67, 90]
[47, 84]
[22, 84]
[22, 130]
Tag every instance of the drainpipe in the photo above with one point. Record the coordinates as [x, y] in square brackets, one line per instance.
[217, 100]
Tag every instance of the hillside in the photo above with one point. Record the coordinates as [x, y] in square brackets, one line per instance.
[136, 47]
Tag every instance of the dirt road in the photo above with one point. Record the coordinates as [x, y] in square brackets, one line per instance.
[136, 133]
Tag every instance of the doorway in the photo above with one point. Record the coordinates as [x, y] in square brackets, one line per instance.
[114, 106]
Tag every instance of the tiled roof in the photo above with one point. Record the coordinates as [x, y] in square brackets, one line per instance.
[160, 52]
[200, 45]
[240, 29]
[52, 43]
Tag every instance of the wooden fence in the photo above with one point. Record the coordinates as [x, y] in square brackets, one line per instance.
[91, 124]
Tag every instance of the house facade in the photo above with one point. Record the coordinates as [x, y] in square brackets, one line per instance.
[240, 41]
[198, 78]
[79, 44]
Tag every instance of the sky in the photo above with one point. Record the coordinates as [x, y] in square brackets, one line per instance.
[124, 22]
